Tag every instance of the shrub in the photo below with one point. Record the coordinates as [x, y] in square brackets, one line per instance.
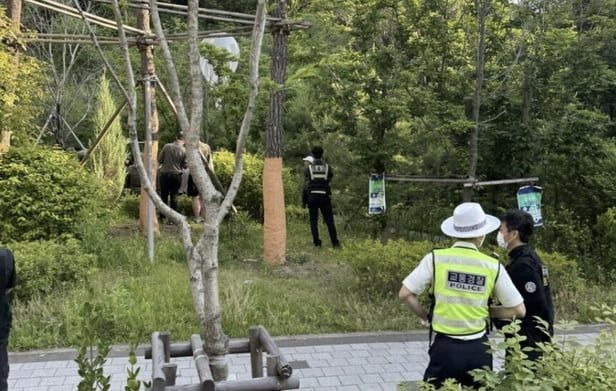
[250, 194]
[604, 251]
[379, 268]
[42, 193]
[46, 266]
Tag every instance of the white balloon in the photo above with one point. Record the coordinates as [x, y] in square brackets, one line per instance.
[227, 43]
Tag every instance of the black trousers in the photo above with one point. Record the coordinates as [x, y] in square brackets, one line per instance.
[453, 358]
[323, 203]
[4, 363]
[169, 188]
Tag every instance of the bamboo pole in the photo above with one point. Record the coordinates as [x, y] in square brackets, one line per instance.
[73, 12]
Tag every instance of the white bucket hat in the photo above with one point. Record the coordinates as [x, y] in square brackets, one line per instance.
[309, 159]
[469, 221]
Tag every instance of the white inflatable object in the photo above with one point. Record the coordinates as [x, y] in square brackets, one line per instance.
[227, 43]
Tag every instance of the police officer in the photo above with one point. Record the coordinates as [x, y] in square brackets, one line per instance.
[7, 282]
[530, 276]
[461, 280]
[317, 196]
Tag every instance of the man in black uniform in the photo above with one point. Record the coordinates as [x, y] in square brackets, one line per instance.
[530, 276]
[316, 195]
[7, 282]
[172, 160]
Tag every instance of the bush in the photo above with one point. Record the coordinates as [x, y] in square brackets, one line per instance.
[604, 250]
[380, 268]
[42, 193]
[46, 266]
[250, 194]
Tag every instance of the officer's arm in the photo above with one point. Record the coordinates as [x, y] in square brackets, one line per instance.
[501, 312]
[411, 300]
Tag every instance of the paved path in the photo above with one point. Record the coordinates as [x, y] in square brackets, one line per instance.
[342, 362]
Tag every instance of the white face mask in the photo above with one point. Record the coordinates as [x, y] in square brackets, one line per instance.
[500, 239]
[483, 238]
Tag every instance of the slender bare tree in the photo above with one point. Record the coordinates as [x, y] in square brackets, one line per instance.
[202, 256]
[482, 8]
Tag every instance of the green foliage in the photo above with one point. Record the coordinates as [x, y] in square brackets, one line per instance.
[250, 196]
[47, 266]
[379, 268]
[43, 192]
[91, 365]
[20, 84]
[132, 384]
[604, 250]
[107, 161]
[565, 364]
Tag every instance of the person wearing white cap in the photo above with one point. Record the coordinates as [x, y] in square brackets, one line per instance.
[461, 280]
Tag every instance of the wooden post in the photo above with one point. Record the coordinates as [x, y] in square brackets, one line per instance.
[271, 363]
[148, 73]
[158, 360]
[13, 11]
[256, 357]
[170, 370]
[202, 363]
[283, 369]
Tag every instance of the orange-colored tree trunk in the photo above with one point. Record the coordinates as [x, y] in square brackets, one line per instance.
[274, 218]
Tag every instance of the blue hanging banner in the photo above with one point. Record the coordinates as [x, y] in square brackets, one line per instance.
[529, 200]
[376, 195]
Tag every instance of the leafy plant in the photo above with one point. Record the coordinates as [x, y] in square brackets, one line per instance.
[47, 266]
[42, 193]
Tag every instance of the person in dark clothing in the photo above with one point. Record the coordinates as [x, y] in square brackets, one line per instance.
[172, 160]
[7, 282]
[530, 277]
[317, 196]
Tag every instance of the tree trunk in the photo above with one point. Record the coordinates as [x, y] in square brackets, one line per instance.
[482, 7]
[274, 219]
[13, 11]
[149, 87]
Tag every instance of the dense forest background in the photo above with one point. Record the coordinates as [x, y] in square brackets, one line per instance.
[391, 86]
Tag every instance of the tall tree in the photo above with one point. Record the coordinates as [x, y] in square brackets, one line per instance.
[274, 220]
[109, 157]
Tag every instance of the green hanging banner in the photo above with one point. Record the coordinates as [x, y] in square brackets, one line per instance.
[376, 195]
[529, 200]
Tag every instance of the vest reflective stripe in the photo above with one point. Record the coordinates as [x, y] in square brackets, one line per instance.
[463, 282]
[453, 323]
[461, 300]
[318, 174]
[318, 192]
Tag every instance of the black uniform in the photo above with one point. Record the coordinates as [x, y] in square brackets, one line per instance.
[7, 281]
[317, 196]
[530, 277]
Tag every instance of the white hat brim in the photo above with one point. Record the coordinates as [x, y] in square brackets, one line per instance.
[492, 224]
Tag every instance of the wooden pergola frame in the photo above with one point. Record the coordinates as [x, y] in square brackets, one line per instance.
[144, 39]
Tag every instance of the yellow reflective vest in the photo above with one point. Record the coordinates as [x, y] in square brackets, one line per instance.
[464, 279]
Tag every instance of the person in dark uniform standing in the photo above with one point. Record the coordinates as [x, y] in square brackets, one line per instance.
[530, 277]
[317, 196]
[461, 280]
[7, 282]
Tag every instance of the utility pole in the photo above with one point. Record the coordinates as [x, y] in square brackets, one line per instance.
[147, 212]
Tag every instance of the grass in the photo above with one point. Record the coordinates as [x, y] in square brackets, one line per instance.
[314, 293]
